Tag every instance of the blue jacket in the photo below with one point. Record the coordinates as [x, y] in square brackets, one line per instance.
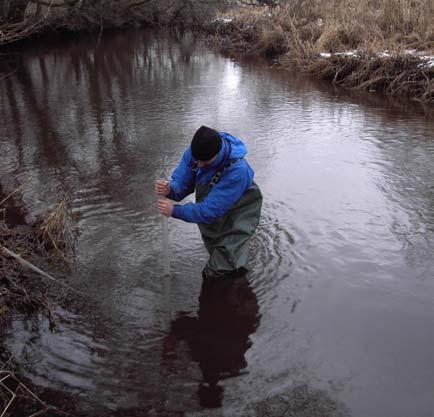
[235, 180]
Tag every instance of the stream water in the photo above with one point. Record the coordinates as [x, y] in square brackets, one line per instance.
[340, 294]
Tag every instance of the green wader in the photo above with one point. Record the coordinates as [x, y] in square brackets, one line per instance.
[227, 238]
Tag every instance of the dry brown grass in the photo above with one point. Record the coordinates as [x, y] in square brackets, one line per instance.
[56, 234]
[16, 398]
[297, 32]
[336, 25]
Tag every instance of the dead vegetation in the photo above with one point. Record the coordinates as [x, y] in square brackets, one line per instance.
[15, 395]
[55, 233]
[367, 44]
[24, 289]
[387, 38]
[51, 238]
[21, 19]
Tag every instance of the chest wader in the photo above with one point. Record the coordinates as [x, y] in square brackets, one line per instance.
[227, 238]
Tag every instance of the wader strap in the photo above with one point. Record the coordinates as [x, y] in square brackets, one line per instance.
[216, 178]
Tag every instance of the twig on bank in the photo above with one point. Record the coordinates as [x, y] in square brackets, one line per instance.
[26, 392]
[10, 401]
[38, 270]
[11, 194]
[15, 31]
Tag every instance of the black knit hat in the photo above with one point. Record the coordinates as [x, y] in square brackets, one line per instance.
[206, 144]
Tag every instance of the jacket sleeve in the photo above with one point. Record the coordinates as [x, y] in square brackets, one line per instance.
[183, 179]
[220, 199]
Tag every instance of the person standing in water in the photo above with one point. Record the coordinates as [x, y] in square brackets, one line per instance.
[228, 201]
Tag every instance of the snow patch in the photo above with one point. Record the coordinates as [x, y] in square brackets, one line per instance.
[384, 54]
[347, 53]
[426, 61]
[223, 20]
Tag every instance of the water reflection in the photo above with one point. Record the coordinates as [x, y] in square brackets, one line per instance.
[219, 337]
[79, 114]
[341, 262]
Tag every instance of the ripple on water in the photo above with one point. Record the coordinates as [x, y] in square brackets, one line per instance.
[92, 202]
[272, 250]
[347, 201]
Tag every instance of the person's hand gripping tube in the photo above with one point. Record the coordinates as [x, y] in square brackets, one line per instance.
[165, 206]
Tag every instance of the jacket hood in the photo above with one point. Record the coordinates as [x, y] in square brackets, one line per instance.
[238, 149]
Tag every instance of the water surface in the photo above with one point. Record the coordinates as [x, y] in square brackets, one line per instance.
[341, 295]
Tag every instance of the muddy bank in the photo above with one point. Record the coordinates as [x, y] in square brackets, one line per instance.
[20, 290]
[23, 286]
[24, 292]
[360, 45]
[27, 250]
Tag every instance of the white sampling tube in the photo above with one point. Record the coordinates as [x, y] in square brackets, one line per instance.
[165, 282]
[166, 278]
[166, 266]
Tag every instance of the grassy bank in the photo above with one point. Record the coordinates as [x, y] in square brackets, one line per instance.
[374, 45]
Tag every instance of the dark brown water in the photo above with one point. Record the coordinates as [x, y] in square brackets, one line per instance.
[341, 294]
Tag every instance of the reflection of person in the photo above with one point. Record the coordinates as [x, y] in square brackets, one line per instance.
[219, 337]
[228, 202]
